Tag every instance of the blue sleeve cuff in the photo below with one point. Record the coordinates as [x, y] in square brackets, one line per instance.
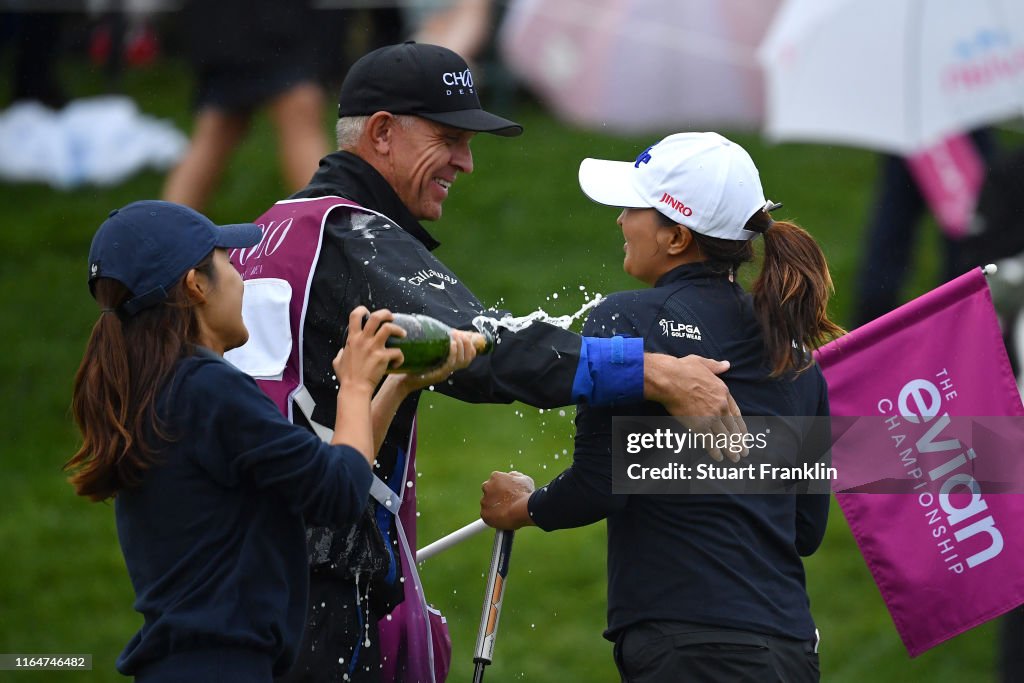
[610, 371]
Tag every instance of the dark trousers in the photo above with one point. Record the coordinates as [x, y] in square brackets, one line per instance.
[1010, 656]
[673, 652]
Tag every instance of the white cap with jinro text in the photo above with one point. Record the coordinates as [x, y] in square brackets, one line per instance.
[702, 181]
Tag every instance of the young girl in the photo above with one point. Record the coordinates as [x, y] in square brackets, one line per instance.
[212, 487]
[700, 587]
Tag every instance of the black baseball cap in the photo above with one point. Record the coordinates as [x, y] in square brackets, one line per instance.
[149, 245]
[429, 81]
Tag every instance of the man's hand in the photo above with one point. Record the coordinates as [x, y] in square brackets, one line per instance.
[689, 389]
[504, 503]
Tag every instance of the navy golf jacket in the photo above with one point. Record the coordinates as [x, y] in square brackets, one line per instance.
[727, 560]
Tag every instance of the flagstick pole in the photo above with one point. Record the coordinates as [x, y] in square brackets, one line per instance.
[455, 537]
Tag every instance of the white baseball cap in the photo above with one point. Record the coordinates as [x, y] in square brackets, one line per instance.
[700, 180]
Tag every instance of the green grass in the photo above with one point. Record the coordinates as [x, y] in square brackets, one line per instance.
[517, 231]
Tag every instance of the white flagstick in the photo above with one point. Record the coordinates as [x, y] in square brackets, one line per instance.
[454, 538]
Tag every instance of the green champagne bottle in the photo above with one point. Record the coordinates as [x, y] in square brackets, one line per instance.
[426, 342]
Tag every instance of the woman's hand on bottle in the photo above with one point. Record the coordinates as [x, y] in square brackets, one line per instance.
[365, 358]
[461, 353]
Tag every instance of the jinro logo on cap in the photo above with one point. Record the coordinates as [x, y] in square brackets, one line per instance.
[463, 80]
[666, 198]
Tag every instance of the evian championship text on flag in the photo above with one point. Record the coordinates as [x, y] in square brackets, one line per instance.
[956, 513]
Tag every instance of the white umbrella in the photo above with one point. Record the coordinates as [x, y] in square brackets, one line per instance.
[892, 75]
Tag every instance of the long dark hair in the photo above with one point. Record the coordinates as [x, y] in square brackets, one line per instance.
[791, 292]
[126, 363]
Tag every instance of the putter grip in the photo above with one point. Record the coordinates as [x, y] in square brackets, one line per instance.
[493, 597]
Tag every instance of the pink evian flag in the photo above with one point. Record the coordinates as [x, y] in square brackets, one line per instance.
[926, 411]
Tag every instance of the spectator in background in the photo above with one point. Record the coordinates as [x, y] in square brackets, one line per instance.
[343, 34]
[248, 54]
[468, 28]
[896, 212]
[997, 237]
[462, 26]
[1000, 239]
[36, 37]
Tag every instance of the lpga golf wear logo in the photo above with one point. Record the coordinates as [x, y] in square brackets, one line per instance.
[463, 80]
[670, 328]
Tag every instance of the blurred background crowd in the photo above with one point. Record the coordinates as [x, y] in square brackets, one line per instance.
[618, 66]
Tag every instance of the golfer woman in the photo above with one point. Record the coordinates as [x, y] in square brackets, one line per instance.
[701, 587]
[212, 486]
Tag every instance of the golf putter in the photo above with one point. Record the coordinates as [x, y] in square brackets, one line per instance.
[493, 599]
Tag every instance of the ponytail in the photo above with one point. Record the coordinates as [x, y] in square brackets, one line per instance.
[791, 298]
[100, 406]
[127, 361]
[791, 293]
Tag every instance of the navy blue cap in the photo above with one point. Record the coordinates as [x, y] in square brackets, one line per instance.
[148, 246]
[425, 80]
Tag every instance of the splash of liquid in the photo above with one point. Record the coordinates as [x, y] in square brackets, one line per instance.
[515, 324]
[366, 619]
